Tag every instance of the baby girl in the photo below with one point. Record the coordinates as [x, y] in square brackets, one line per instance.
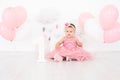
[69, 48]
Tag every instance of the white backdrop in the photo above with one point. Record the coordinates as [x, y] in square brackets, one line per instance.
[68, 10]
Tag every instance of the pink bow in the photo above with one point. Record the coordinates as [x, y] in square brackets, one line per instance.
[67, 24]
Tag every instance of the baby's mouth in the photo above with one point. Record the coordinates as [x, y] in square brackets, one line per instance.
[68, 34]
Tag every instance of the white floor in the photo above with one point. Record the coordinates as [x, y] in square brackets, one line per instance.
[23, 66]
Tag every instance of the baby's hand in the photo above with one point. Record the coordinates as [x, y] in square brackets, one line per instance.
[80, 45]
[57, 46]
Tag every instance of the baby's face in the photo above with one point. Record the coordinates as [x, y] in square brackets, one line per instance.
[69, 32]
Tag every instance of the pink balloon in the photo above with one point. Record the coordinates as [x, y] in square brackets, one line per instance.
[21, 15]
[9, 17]
[7, 33]
[14, 16]
[112, 35]
[83, 18]
[108, 17]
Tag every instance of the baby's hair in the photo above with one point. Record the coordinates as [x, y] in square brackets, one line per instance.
[72, 25]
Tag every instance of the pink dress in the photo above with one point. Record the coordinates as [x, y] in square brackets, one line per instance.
[71, 50]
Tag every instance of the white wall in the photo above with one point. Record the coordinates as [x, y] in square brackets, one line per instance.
[69, 10]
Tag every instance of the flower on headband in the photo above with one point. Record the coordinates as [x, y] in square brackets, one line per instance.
[67, 24]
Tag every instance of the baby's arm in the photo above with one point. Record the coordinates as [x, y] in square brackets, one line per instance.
[58, 44]
[79, 43]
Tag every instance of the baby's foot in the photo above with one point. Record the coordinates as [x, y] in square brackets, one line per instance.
[68, 59]
[73, 59]
[64, 58]
[58, 58]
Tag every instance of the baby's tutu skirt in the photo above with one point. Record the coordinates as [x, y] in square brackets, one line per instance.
[77, 53]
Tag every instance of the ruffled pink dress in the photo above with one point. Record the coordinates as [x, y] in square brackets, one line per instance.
[71, 50]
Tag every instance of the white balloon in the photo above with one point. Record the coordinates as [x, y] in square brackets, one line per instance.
[48, 16]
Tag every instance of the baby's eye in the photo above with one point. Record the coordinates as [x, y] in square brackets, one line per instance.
[70, 31]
